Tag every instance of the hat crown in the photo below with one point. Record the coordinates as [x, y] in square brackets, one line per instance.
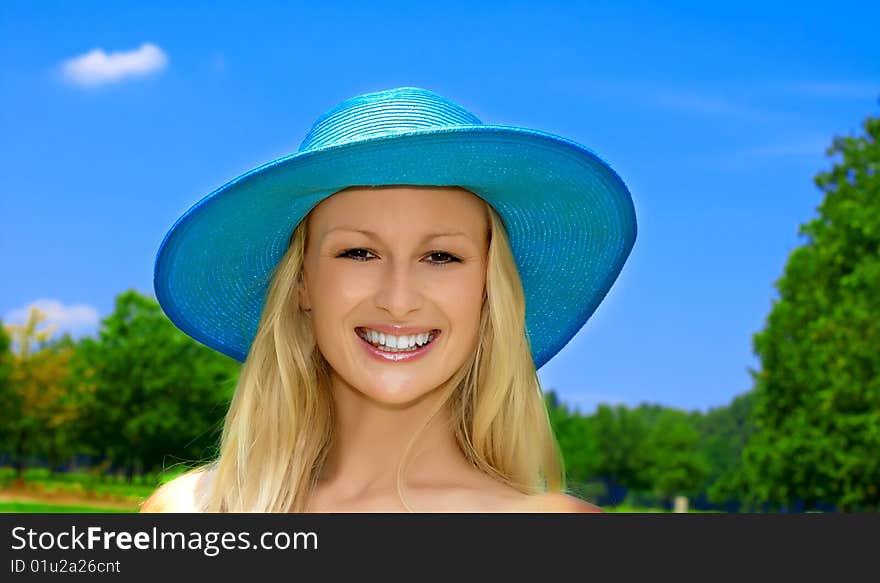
[392, 111]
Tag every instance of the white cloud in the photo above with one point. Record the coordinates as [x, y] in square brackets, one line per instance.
[99, 68]
[77, 319]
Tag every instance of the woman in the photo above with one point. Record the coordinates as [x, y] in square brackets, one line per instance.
[392, 288]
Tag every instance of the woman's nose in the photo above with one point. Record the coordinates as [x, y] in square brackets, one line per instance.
[400, 290]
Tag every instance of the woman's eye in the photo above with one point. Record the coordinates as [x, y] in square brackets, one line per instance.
[439, 257]
[351, 253]
[451, 258]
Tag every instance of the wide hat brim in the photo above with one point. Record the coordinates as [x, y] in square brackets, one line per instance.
[569, 218]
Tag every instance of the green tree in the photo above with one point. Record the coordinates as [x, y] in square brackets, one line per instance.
[817, 410]
[724, 434]
[35, 404]
[577, 440]
[157, 396]
[622, 434]
[7, 401]
[677, 465]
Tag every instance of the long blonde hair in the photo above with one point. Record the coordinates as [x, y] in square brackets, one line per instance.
[277, 432]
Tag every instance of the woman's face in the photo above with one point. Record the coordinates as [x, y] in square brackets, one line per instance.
[423, 267]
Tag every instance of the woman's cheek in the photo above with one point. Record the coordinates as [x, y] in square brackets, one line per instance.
[345, 284]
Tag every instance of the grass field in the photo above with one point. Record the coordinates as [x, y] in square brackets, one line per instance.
[41, 508]
[41, 491]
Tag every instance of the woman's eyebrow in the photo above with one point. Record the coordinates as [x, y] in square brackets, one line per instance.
[376, 237]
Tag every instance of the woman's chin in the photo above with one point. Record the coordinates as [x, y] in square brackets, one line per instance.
[398, 395]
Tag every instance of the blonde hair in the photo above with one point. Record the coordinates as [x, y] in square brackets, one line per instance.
[277, 431]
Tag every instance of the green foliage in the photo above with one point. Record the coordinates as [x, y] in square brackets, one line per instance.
[40, 508]
[724, 434]
[155, 396]
[35, 408]
[817, 412]
[5, 356]
[653, 451]
[577, 440]
[7, 400]
[622, 435]
[676, 463]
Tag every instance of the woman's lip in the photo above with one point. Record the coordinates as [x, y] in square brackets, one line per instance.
[385, 356]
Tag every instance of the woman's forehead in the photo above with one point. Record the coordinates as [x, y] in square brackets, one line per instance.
[419, 209]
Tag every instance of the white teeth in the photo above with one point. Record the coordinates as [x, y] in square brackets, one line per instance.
[396, 343]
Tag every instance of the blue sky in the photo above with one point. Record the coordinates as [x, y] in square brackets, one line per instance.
[717, 119]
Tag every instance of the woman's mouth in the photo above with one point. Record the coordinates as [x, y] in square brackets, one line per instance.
[396, 348]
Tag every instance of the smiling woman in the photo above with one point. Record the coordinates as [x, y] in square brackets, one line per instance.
[399, 291]
[392, 338]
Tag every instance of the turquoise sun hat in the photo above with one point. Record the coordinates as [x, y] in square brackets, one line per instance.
[569, 217]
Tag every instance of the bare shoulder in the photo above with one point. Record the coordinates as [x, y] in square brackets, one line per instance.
[178, 495]
[555, 502]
